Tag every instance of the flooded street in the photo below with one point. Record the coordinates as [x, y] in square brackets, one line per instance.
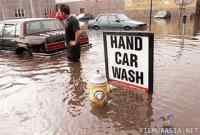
[47, 95]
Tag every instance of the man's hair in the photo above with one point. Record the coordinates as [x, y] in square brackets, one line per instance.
[65, 9]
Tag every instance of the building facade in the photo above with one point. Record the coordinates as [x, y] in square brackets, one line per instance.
[95, 6]
[25, 8]
[158, 4]
[134, 8]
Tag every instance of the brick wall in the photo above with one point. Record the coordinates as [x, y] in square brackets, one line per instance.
[97, 6]
[24, 8]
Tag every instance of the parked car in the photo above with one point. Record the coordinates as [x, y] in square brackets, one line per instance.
[115, 20]
[39, 35]
[162, 15]
[34, 35]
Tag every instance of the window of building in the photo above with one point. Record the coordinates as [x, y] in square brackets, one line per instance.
[16, 14]
[102, 18]
[20, 12]
[46, 12]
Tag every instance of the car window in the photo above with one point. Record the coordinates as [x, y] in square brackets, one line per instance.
[17, 30]
[1, 30]
[51, 25]
[43, 26]
[122, 17]
[112, 18]
[102, 18]
[33, 27]
[9, 30]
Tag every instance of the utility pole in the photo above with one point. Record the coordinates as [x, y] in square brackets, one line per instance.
[196, 18]
[150, 15]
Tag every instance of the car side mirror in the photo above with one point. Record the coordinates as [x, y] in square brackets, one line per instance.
[117, 21]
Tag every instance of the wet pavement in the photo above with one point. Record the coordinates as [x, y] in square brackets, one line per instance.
[47, 95]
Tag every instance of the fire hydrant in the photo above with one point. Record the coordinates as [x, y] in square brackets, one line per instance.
[99, 90]
[167, 120]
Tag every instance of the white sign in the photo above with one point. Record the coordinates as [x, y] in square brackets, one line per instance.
[129, 58]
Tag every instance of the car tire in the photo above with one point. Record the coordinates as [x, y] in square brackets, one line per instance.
[23, 52]
[127, 28]
[96, 27]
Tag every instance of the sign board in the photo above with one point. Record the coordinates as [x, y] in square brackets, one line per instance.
[129, 58]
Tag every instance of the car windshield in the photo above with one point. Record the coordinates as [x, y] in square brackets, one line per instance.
[43, 26]
[122, 17]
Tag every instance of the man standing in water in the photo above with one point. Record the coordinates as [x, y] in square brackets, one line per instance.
[72, 30]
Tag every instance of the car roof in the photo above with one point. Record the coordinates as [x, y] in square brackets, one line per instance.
[111, 14]
[25, 20]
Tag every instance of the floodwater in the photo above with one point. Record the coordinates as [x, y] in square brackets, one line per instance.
[47, 95]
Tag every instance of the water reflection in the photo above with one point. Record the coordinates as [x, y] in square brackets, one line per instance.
[129, 111]
[181, 48]
[46, 95]
[76, 89]
[167, 26]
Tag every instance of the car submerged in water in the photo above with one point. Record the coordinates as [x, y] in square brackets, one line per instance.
[34, 35]
[115, 21]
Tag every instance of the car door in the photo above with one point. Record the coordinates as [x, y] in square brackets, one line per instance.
[1, 35]
[114, 22]
[9, 37]
[102, 21]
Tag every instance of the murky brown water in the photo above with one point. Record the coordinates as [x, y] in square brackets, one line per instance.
[47, 95]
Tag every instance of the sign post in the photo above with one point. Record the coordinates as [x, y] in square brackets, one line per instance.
[129, 59]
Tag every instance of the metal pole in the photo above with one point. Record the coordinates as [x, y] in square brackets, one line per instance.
[32, 8]
[196, 18]
[150, 15]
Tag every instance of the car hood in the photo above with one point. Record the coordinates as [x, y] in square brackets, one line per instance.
[162, 14]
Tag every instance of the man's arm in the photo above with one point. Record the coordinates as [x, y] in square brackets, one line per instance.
[75, 29]
[77, 35]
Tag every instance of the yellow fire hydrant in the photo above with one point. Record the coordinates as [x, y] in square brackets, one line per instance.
[99, 90]
[167, 120]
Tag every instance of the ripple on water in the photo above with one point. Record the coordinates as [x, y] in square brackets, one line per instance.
[46, 95]
[176, 71]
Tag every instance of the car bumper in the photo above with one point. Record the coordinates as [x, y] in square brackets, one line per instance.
[141, 27]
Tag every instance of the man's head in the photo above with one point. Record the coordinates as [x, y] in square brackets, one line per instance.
[65, 9]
